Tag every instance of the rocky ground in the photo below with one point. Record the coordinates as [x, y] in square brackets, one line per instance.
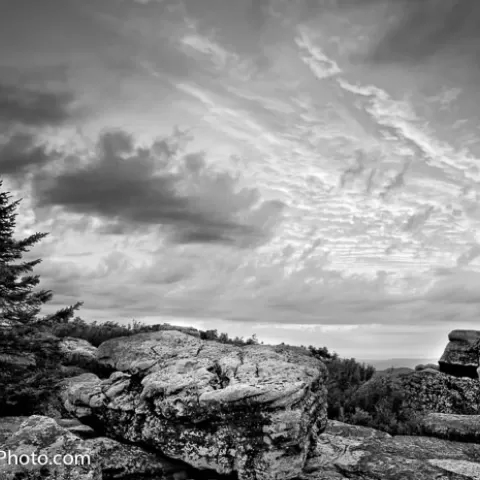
[178, 407]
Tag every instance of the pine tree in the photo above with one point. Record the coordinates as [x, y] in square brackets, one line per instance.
[30, 355]
[19, 305]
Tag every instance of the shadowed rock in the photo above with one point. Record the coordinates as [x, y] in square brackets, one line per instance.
[461, 355]
[76, 351]
[251, 410]
[97, 458]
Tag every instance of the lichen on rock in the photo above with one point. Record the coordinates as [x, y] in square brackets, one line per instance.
[251, 410]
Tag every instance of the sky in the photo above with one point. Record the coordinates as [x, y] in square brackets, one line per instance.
[304, 170]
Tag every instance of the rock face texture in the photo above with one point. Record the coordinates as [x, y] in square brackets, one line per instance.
[253, 410]
[351, 452]
[461, 428]
[42, 436]
[428, 391]
[77, 351]
[461, 356]
[102, 458]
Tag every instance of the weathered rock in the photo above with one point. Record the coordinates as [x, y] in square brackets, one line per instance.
[77, 428]
[461, 428]
[461, 355]
[79, 352]
[118, 461]
[252, 410]
[102, 458]
[44, 438]
[9, 425]
[80, 387]
[359, 453]
[427, 391]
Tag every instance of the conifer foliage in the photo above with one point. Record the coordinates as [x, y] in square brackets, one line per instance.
[19, 305]
[29, 353]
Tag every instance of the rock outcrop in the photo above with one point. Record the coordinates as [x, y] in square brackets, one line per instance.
[41, 440]
[9, 425]
[461, 428]
[359, 453]
[97, 458]
[426, 391]
[253, 410]
[78, 352]
[461, 355]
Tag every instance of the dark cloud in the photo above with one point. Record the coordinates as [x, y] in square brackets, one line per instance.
[21, 153]
[426, 27]
[35, 108]
[133, 187]
[414, 30]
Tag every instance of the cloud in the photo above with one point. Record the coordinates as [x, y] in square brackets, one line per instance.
[429, 27]
[458, 289]
[467, 257]
[417, 220]
[33, 107]
[258, 13]
[321, 66]
[22, 153]
[354, 171]
[412, 31]
[132, 187]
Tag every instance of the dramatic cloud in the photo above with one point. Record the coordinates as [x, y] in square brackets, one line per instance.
[334, 141]
[22, 153]
[133, 187]
[33, 108]
[427, 27]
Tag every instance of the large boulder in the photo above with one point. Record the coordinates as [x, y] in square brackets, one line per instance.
[358, 453]
[461, 355]
[251, 410]
[98, 458]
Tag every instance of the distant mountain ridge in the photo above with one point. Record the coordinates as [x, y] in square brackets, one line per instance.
[383, 364]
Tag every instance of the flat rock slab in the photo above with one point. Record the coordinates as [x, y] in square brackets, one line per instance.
[250, 410]
[461, 428]
[359, 453]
